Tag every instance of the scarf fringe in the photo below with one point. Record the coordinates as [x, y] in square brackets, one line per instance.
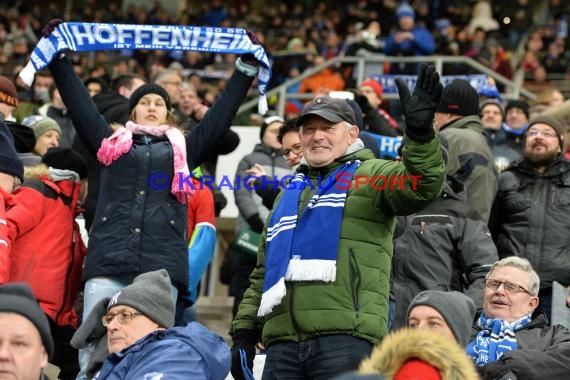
[271, 298]
[311, 270]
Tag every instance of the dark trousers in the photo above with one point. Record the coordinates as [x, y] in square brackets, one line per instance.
[320, 358]
[65, 356]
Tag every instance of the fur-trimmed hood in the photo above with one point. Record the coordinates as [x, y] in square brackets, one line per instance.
[406, 344]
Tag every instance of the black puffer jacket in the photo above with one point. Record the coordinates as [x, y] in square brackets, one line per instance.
[445, 246]
[530, 218]
[137, 228]
[543, 353]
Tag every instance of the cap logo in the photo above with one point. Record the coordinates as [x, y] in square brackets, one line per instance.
[422, 297]
[319, 100]
[453, 106]
[115, 298]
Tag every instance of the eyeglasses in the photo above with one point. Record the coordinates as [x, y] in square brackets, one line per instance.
[536, 132]
[509, 287]
[124, 318]
[296, 150]
[172, 82]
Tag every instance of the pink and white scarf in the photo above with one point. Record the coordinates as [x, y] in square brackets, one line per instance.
[121, 141]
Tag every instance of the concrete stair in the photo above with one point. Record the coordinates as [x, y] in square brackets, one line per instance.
[216, 314]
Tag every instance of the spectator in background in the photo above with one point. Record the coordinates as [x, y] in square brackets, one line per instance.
[57, 111]
[25, 334]
[252, 212]
[11, 170]
[530, 213]
[47, 251]
[322, 82]
[504, 151]
[38, 96]
[444, 246]
[408, 40]
[521, 18]
[511, 339]
[376, 120]
[95, 85]
[47, 133]
[516, 123]
[470, 158]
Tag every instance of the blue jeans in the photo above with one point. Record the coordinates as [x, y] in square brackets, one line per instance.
[95, 290]
[316, 359]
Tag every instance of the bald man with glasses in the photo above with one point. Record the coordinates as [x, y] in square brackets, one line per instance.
[512, 339]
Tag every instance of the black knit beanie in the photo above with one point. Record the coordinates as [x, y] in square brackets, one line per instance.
[18, 298]
[66, 159]
[520, 104]
[149, 88]
[459, 98]
[24, 138]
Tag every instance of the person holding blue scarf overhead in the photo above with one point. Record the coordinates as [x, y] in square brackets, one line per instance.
[318, 298]
[512, 338]
[140, 226]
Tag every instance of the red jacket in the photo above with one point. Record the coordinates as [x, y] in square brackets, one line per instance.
[6, 201]
[47, 250]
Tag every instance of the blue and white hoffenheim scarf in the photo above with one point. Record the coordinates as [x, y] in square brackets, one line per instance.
[83, 36]
[305, 248]
[496, 337]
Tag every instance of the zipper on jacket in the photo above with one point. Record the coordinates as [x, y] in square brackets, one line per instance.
[293, 319]
[354, 278]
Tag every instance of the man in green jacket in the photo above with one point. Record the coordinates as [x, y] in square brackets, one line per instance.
[318, 299]
[470, 157]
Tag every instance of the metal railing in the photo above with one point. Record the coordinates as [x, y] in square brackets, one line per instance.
[513, 90]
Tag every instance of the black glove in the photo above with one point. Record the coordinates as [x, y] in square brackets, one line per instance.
[496, 371]
[363, 103]
[419, 107]
[50, 27]
[243, 340]
[255, 223]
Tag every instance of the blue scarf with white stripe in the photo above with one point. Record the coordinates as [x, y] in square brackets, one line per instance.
[496, 337]
[85, 36]
[304, 248]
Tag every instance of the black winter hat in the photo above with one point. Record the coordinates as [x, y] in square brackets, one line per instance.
[18, 298]
[66, 159]
[24, 138]
[149, 88]
[459, 98]
[10, 163]
[521, 104]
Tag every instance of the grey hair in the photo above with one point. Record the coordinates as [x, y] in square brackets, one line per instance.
[522, 264]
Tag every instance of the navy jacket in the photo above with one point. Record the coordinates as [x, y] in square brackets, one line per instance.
[138, 228]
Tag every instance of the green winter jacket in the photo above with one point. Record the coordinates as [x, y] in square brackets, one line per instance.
[357, 302]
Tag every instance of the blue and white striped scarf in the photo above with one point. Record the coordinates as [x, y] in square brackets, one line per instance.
[84, 36]
[496, 337]
[304, 248]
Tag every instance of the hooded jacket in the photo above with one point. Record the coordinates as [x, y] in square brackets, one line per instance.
[47, 250]
[357, 302]
[404, 345]
[178, 353]
[445, 246]
[471, 162]
[530, 218]
[138, 227]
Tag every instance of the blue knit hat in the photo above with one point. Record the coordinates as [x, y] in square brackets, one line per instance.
[405, 10]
